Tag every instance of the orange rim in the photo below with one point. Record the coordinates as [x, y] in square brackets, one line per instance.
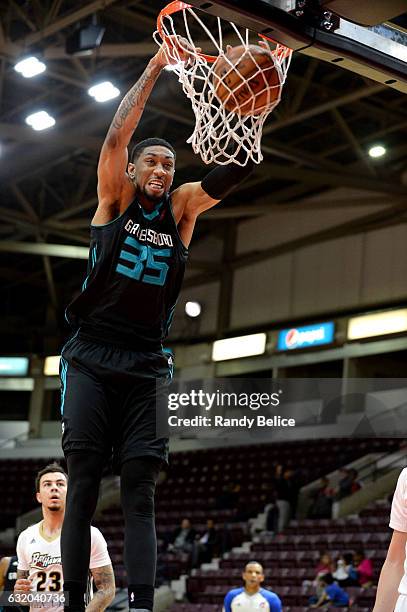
[170, 9]
[284, 51]
[176, 6]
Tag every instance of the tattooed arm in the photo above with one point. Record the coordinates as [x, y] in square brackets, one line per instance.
[104, 581]
[115, 190]
[112, 166]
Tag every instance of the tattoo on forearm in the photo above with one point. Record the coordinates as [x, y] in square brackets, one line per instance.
[104, 581]
[135, 97]
[103, 577]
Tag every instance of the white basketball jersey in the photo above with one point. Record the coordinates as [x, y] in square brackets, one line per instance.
[41, 557]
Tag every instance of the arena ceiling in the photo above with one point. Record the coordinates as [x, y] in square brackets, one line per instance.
[316, 142]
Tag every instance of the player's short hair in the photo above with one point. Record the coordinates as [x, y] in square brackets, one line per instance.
[48, 469]
[149, 142]
[348, 558]
[253, 563]
[327, 578]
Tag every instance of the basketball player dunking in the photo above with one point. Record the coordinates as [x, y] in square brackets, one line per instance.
[139, 239]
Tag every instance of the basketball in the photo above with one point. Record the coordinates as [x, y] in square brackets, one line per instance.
[246, 80]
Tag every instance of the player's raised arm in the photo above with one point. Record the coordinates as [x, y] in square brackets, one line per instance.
[113, 157]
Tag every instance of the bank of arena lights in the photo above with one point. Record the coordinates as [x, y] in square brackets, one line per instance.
[40, 121]
[30, 67]
[242, 346]
[102, 92]
[378, 324]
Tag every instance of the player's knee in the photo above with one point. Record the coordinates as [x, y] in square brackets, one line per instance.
[84, 473]
[138, 498]
[138, 480]
[82, 495]
[139, 504]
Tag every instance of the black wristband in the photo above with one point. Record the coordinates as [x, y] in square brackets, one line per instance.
[224, 179]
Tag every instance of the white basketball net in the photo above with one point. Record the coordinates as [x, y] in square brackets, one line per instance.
[220, 135]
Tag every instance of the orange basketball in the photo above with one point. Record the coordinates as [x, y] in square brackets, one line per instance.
[246, 80]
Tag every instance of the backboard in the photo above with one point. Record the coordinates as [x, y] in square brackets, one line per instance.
[337, 31]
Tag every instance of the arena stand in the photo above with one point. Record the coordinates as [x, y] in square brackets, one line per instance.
[192, 487]
[17, 487]
[291, 558]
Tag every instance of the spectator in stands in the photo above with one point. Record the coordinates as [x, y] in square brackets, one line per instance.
[345, 574]
[348, 483]
[287, 489]
[322, 497]
[392, 587]
[332, 593]
[183, 537]
[206, 545]
[355, 486]
[229, 497]
[344, 485]
[364, 568]
[272, 513]
[252, 597]
[278, 469]
[325, 565]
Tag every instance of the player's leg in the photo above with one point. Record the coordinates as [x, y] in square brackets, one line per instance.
[84, 475]
[85, 443]
[138, 480]
[140, 450]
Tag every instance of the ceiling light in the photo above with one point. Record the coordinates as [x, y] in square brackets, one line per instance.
[104, 91]
[40, 121]
[377, 151]
[193, 309]
[30, 67]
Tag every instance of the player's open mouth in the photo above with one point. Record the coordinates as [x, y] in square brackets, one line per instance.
[156, 185]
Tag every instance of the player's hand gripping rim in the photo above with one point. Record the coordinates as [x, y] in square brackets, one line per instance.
[176, 49]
